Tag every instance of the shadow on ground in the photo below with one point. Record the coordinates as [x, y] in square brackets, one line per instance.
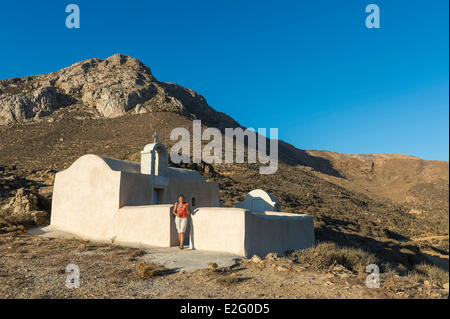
[400, 255]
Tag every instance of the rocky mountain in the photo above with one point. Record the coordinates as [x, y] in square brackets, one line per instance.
[107, 88]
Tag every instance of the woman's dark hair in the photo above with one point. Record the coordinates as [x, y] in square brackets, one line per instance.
[181, 195]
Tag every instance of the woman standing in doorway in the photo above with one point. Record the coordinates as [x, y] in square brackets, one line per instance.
[181, 211]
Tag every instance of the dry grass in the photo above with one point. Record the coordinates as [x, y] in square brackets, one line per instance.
[148, 270]
[136, 254]
[213, 265]
[227, 280]
[429, 272]
[326, 254]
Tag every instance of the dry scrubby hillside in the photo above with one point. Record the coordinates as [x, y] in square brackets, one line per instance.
[421, 186]
[112, 107]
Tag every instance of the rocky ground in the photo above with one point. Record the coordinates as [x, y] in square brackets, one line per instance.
[35, 267]
[25, 201]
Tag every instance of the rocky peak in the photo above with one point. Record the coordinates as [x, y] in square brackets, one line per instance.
[109, 88]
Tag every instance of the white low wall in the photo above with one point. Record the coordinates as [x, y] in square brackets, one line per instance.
[148, 225]
[246, 233]
[218, 229]
[277, 232]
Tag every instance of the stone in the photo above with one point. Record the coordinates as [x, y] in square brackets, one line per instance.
[445, 286]
[140, 109]
[27, 103]
[17, 210]
[137, 108]
[40, 217]
[256, 259]
[213, 265]
[272, 256]
[282, 268]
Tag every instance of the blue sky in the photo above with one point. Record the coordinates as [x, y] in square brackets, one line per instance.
[310, 68]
